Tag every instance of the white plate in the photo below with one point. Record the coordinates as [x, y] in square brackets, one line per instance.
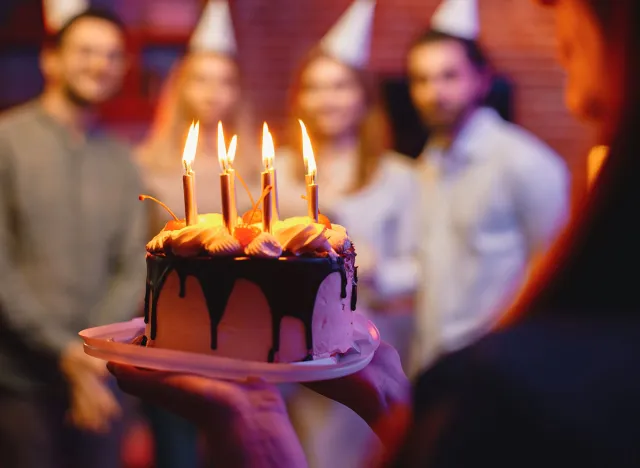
[112, 343]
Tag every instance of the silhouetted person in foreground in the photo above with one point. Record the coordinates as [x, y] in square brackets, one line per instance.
[557, 383]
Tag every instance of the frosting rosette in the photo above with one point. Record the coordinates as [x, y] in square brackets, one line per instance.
[300, 239]
[338, 238]
[293, 236]
[224, 245]
[156, 245]
[191, 240]
[264, 246]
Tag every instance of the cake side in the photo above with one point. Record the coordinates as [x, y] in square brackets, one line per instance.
[279, 310]
[283, 296]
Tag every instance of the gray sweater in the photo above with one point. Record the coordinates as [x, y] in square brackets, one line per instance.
[71, 242]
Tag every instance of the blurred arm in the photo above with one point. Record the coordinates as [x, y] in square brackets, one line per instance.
[541, 184]
[399, 274]
[20, 309]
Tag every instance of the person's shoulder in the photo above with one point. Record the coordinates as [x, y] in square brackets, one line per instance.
[483, 366]
[398, 163]
[521, 143]
[536, 345]
[121, 155]
[521, 152]
[398, 170]
[286, 160]
[16, 119]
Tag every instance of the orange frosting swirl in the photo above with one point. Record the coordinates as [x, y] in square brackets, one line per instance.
[264, 246]
[224, 245]
[191, 240]
[303, 238]
[156, 245]
[297, 236]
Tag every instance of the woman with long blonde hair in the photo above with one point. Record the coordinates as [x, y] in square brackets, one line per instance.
[203, 86]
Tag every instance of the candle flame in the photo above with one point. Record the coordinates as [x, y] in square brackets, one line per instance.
[233, 146]
[222, 150]
[190, 147]
[307, 153]
[268, 148]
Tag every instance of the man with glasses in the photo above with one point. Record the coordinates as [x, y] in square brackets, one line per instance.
[71, 245]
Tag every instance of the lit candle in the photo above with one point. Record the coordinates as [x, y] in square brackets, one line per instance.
[189, 177]
[311, 173]
[227, 182]
[268, 178]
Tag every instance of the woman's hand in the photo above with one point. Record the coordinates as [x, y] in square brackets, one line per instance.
[379, 394]
[246, 423]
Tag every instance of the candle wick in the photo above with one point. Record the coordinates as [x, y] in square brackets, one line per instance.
[187, 167]
[246, 187]
[147, 197]
[265, 192]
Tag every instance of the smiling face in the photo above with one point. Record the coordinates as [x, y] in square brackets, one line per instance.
[89, 64]
[331, 100]
[210, 87]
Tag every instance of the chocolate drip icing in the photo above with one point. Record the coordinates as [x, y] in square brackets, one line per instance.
[147, 292]
[290, 285]
[354, 289]
[155, 280]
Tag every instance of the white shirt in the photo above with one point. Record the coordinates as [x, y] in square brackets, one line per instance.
[495, 198]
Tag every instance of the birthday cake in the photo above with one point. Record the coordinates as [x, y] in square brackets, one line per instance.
[283, 296]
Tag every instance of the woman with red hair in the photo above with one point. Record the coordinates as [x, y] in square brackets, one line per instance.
[364, 186]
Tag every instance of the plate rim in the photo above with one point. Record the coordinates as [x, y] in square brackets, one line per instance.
[100, 347]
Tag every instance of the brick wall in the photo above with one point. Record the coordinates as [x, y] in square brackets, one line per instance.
[274, 34]
[518, 35]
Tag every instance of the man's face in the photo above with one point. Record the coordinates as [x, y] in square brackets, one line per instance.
[90, 63]
[444, 83]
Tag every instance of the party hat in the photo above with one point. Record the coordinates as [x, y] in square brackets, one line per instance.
[58, 12]
[214, 32]
[349, 40]
[458, 18]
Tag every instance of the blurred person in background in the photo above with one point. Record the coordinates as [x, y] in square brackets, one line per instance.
[203, 86]
[71, 246]
[364, 186]
[557, 384]
[494, 196]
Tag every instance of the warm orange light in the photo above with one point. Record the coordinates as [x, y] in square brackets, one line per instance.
[268, 148]
[190, 147]
[226, 158]
[597, 157]
[307, 154]
[233, 146]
